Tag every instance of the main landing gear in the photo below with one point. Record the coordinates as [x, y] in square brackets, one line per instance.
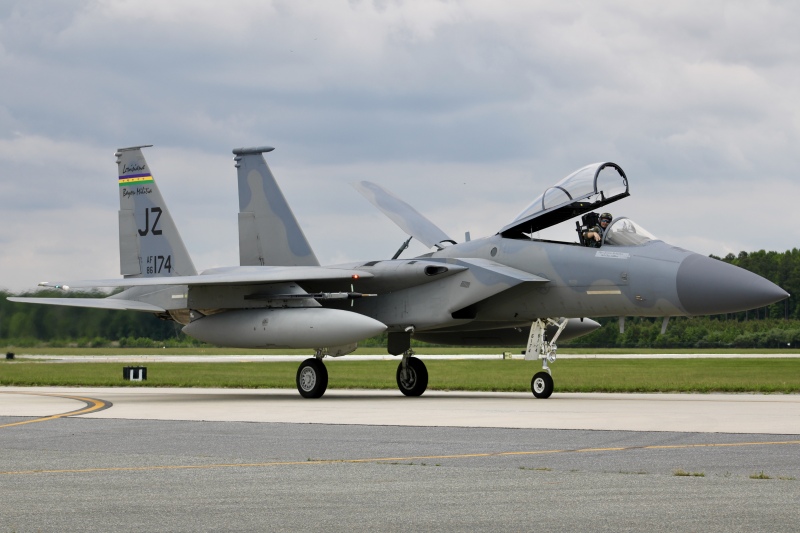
[312, 378]
[540, 348]
[412, 375]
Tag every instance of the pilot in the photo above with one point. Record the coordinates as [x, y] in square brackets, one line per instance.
[594, 234]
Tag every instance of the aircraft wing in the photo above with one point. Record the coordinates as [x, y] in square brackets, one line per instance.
[409, 219]
[223, 276]
[505, 272]
[99, 303]
[488, 279]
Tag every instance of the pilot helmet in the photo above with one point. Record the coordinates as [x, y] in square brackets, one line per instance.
[606, 217]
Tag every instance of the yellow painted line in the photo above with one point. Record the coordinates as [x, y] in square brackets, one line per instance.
[92, 405]
[619, 449]
[390, 459]
[719, 445]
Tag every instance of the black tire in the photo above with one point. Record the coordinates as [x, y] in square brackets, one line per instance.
[542, 385]
[312, 378]
[415, 380]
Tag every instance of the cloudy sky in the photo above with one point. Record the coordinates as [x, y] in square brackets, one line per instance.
[466, 109]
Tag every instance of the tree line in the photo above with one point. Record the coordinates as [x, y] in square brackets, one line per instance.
[27, 325]
[774, 326]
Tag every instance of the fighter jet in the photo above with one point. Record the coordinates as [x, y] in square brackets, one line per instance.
[510, 288]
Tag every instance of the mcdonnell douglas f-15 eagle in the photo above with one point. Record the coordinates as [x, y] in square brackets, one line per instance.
[506, 289]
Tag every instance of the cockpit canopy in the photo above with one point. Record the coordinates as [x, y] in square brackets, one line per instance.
[586, 189]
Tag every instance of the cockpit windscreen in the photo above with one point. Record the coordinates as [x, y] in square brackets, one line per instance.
[625, 232]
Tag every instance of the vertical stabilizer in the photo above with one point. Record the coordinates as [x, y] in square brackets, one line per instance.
[268, 230]
[149, 242]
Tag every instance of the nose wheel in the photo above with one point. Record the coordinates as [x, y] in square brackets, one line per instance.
[539, 348]
[542, 385]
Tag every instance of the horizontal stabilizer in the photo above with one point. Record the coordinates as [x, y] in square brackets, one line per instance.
[240, 275]
[409, 219]
[97, 303]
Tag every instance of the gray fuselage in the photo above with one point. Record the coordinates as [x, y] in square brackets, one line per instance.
[654, 279]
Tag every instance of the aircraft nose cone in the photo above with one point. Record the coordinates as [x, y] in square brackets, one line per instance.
[708, 286]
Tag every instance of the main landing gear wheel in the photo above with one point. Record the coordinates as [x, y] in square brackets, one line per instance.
[413, 379]
[542, 385]
[312, 378]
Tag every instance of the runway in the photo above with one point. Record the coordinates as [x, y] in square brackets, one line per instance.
[130, 459]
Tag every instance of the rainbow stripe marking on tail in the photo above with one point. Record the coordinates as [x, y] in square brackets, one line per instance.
[135, 179]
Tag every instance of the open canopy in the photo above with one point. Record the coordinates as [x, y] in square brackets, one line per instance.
[586, 189]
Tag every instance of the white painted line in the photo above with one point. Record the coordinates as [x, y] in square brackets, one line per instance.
[142, 358]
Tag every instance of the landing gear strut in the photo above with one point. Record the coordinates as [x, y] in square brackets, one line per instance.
[412, 375]
[540, 348]
[312, 378]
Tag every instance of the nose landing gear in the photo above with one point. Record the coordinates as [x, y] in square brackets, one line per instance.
[540, 348]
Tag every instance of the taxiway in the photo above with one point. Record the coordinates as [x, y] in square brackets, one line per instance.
[124, 459]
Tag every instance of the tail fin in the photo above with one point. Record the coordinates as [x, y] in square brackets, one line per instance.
[149, 242]
[268, 231]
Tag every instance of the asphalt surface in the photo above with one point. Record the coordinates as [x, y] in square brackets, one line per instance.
[114, 466]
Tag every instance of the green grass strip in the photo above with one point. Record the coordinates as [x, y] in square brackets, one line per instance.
[583, 375]
[377, 350]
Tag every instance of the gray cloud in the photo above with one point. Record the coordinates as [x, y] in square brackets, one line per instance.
[467, 110]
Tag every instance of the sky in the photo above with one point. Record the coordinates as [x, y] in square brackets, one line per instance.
[467, 110]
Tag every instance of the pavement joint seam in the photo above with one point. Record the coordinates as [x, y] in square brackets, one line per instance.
[392, 459]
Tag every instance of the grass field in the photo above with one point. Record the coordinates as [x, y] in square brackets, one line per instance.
[571, 375]
[377, 350]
